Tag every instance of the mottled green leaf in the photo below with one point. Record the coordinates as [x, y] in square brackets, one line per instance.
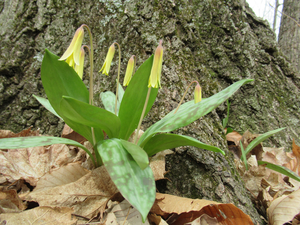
[135, 184]
[161, 142]
[90, 115]
[26, 142]
[189, 112]
[280, 169]
[137, 153]
[108, 99]
[134, 99]
[47, 105]
[260, 139]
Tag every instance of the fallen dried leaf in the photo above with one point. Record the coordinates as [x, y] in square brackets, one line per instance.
[124, 213]
[40, 215]
[234, 137]
[23, 133]
[158, 164]
[284, 208]
[73, 135]
[10, 202]
[31, 164]
[180, 210]
[87, 196]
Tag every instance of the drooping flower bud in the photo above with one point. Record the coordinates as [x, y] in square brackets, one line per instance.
[110, 54]
[154, 79]
[197, 93]
[72, 53]
[129, 70]
[79, 68]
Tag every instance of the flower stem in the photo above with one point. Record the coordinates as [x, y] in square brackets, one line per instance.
[91, 90]
[184, 96]
[91, 55]
[142, 116]
[118, 79]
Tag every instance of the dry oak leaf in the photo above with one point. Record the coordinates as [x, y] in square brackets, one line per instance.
[180, 210]
[284, 208]
[87, 195]
[40, 215]
[31, 164]
[294, 164]
[23, 133]
[124, 213]
[10, 202]
[234, 137]
[158, 164]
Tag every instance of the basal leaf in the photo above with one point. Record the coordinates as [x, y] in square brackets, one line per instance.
[134, 99]
[260, 139]
[161, 142]
[47, 105]
[60, 79]
[135, 184]
[90, 115]
[26, 142]
[189, 112]
[244, 156]
[280, 169]
[137, 153]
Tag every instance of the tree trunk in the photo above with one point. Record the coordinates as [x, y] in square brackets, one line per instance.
[214, 42]
[289, 34]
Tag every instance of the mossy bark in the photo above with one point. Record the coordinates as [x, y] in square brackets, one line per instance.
[214, 42]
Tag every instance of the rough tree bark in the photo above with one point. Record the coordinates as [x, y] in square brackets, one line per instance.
[289, 34]
[212, 41]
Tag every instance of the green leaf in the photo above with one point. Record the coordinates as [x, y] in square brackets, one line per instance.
[135, 184]
[47, 105]
[90, 115]
[120, 93]
[137, 153]
[260, 139]
[280, 169]
[26, 142]
[161, 142]
[189, 112]
[108, 99]
[244, 155]
[134, 99]
[60, 79]
[229, 130]
[225, 120]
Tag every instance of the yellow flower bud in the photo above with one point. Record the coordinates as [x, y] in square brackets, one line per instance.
[154, 79]
[197, 93]
[72, 54]
[79, 68]
[110, 54]
[129, 70]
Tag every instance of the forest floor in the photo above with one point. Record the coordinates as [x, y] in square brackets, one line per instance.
[58, 184]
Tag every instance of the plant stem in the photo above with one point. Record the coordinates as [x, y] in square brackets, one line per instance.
[91, 90]
[142, 116]
[184, 96]
[118, 79]
[91, 55]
